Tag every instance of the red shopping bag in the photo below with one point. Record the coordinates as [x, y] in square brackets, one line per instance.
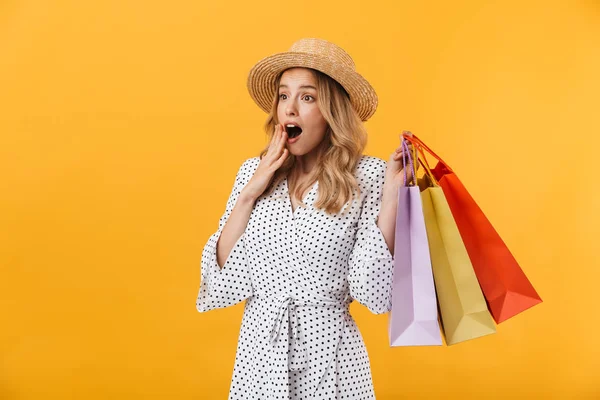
[507, 290]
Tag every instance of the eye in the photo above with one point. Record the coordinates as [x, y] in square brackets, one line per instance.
[308, 96]
[281, 96]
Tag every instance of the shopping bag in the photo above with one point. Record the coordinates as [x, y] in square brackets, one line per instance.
[413, 319]
[463, 309]
[505, 286]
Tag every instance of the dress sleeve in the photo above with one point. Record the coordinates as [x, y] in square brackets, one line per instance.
[227, 286]
[371, 262]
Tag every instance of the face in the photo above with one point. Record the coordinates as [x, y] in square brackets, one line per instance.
[298, 106]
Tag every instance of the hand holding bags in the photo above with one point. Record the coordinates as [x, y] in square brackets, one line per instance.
[413, 318]
[506, 288]
[463, 308]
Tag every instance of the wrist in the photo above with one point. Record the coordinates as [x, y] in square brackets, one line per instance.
[389, 198]
[246, 198]
[390, 192]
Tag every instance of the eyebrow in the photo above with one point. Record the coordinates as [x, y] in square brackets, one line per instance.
[301, 87]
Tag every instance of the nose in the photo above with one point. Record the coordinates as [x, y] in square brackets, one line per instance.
[290, 108]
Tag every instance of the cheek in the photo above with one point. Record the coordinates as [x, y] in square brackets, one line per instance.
[317, 122]
[280, 112]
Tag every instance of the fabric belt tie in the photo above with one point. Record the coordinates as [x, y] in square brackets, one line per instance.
[298, 356]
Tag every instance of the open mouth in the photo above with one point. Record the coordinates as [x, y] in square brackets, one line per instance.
[293, 131]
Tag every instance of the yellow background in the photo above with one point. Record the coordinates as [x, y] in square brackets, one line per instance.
[123, 122]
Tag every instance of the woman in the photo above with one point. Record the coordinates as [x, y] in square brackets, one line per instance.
[308, 228]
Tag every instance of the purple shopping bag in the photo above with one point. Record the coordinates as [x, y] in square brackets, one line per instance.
[413, 319]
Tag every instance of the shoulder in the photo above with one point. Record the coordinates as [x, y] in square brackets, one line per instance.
[247, 169]
[370, 171]
[251, 163]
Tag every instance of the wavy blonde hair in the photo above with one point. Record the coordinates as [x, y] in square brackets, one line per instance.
[337, 155]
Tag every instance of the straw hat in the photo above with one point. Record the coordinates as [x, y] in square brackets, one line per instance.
[317, 54]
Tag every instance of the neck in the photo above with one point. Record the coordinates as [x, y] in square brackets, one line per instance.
[305, 164]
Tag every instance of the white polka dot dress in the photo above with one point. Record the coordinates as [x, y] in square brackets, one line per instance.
[298, 272]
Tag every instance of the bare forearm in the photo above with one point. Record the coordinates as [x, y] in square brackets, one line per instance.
[235, 227]
[389, 206]
[387, 215]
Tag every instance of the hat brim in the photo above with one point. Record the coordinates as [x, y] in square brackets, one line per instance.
[261, 80]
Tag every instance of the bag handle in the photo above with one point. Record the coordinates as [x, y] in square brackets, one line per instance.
[425, 164]
[414, 139]
[417, 147]
[410, 161]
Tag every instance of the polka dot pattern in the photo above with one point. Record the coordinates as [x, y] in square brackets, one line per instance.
[298, 272]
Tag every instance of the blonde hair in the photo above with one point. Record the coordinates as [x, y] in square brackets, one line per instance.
[337, 155]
